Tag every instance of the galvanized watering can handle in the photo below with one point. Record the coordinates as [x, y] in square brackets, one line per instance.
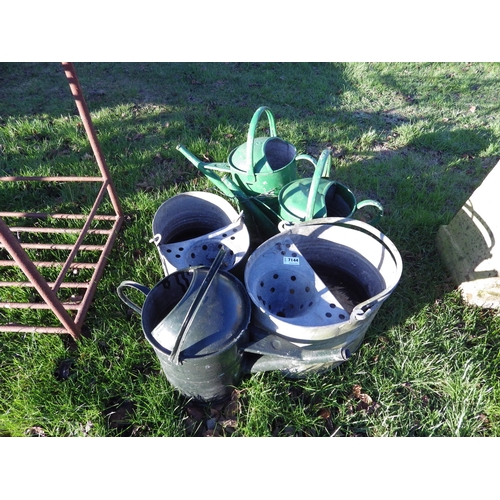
[131, 284]
[251, 134]
[193, 309]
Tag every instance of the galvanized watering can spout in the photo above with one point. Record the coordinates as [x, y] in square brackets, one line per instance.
[270, 352]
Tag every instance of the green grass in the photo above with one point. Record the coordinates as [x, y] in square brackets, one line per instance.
[418, 137]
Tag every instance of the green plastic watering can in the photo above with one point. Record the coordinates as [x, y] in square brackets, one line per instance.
[263, 165]
[312, 198]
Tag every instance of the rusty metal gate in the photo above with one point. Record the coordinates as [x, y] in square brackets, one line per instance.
[69, 294]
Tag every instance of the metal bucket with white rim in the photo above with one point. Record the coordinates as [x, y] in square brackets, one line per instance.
[319, 284]
[190, 228]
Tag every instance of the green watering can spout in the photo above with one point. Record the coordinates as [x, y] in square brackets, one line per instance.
[228, 187]
[207, 169]
[223, 167]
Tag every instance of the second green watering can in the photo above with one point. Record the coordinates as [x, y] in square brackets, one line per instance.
[317, 197]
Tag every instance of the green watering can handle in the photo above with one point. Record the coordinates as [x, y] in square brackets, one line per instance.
[372, 203]
[131, 284]
[323, 164]
[326, 170]
[251, 134]
[306, 157]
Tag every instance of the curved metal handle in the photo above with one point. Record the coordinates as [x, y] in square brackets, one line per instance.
[251, 133]
[323, 162]
[131, 284]
[372, 203]
[193, 309]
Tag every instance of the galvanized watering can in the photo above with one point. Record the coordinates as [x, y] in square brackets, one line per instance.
[196, 320]
[263, 165]
[310, 294]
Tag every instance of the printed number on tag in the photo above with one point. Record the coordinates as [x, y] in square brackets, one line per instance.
[291, 261]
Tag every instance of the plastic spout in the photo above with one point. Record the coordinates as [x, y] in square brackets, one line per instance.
[206, 170]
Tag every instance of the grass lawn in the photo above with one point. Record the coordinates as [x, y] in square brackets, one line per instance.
[417, 137]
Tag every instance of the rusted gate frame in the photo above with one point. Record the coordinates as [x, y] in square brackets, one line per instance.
[71, 325]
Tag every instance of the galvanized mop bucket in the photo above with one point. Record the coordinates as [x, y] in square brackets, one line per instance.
[190, 228]
[321, 283]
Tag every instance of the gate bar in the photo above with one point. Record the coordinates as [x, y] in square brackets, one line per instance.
[74, 85]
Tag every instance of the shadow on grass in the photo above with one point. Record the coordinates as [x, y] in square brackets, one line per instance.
[421, 185]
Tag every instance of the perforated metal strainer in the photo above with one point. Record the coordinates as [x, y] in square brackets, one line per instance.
[288, 287]
[190, 228]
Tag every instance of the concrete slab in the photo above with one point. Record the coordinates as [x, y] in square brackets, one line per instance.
[469, 247]
[483, 293]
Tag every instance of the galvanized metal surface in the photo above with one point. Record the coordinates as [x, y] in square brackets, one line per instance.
[190, 228]
[49, 291]
[356, 263]
[196, 321]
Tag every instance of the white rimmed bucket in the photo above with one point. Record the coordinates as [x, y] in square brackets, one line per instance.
[190, 228]
[322, 282]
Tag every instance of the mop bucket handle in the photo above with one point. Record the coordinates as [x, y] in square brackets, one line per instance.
[131, 284]
[360, 311]
[251, 134]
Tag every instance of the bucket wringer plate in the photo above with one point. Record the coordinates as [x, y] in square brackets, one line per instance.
[190, 228]
[322, 280]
